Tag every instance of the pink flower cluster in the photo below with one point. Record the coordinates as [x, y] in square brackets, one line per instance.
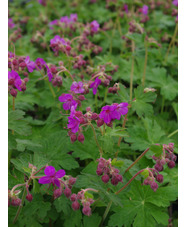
[107, 171]
[85, 201]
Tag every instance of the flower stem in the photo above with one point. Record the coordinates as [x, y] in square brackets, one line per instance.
[129, 182]
[172, 42]
[105, 214]
[137, 160]
[13, 108]
[105, 97]
[100, 150]
[20, 206]
[16, 186]
[120, 138]
[51, 89]
[173, 133]
[145, 64]
[132, 70]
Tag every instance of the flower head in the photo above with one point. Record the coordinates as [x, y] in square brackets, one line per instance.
[10, 23]
[68, 101]
[108, 113]
[49, 73]
[77, 87]
[52, 177]
[95, 85]
[39, 62]
[175, 2]
[73, 123]
[30, 64]
[94, 26]
[145, 9]
[14, 79]
[58, 40]
[121, 109]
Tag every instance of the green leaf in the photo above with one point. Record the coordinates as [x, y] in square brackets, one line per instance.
[27, 144]
[92, 221]
[37, 207]
[118, 163]
[17, 123]
[141, 103]
[156, 149]
[142, 207]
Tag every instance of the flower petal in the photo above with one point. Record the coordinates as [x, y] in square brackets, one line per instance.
[60, 173]
[44, 180]
[57, 182]
[50, 171]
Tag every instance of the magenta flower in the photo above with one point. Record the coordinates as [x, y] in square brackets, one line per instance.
[73, 17]
[125, 7]
[65, 19]
[54, 22]
[77, 87]
[121, 109]
[145, 9]
[14, 79]
[52, 177]
[108, 113]
[50, 76]
[68, 101]
[94, 26]
[10, 23]
[30, 64]
[175, 2]
[95, 85]
[73, 123]
[40, 63]
[58, 40]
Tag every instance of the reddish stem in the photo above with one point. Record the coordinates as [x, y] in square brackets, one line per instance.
[137, 160]
[129, 181]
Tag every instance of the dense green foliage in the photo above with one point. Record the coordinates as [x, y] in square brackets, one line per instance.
[37, 129]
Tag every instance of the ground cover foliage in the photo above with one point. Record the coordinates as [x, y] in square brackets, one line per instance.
[93, 113]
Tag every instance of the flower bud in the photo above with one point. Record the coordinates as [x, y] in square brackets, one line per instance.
[88, 109]
[73, 138]
[158, 167]
[171, 164]
[75, 205]
[86, 210]
[67, 192]
[73, 197]
[29, 197]
[159, 178]
[72, 181]
[154, 186]
[57, 193]
[81, 97]
[105, 178]
[81, 138]
[94, 116]
[15, 202]
[13, 92]
[100, 122]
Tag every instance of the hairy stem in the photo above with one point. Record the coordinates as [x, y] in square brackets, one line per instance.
[129, 182]
[105, 97]
[20, 206]
[120, 138]
[145, 64]
[100, 150]
[13, 108]
[105, 214]
[132, 70]
[173, 133]
[137, 160]
[172, 41]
